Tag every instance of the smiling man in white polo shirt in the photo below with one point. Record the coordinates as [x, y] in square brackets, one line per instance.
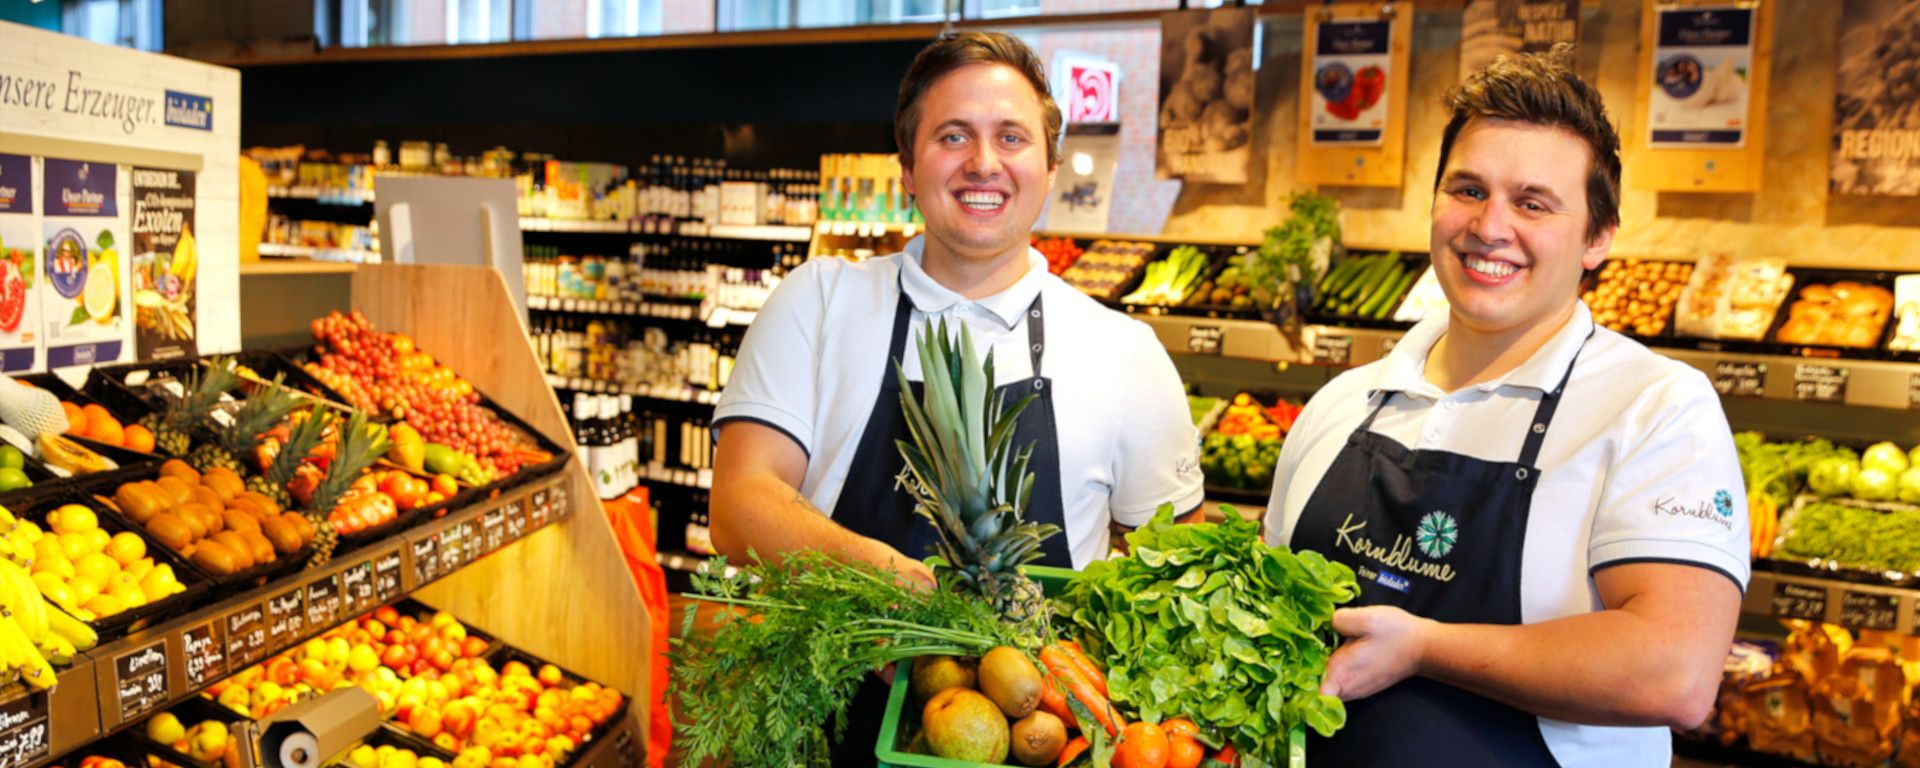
[1547, 520]
[807, 455]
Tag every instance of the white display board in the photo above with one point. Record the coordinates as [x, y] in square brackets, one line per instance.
[130, 116]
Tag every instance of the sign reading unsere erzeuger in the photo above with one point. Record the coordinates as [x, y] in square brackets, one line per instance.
[126, 107]
[1702, 62]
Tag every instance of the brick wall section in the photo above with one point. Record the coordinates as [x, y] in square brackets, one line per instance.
[681, 16]
[425, 24]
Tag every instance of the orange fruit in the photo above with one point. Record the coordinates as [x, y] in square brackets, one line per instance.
[102, 426]
[138, 438]
[76, 418]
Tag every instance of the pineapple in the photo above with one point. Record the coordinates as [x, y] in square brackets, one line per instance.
[966, 477]
[262, 412]
[204, 388]
[359, 445]
[325, 538]
[301, 439]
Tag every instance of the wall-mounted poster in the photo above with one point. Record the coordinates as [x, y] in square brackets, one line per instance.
[1086, 87]
[1351, 67]
[1206, 95]
[81, 264]
[19, 247]
[1702, 59]
[166, 263]
[1876, 116]
[1490, 29]
[1083, 190]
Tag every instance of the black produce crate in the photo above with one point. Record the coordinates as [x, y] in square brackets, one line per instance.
[507, 653]
[132, 619]
[1416, 262]
[288, 361]
[100, 492]
[191, 712]
[1802, 278]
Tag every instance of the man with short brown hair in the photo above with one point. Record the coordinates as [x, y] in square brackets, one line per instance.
[1539, 584]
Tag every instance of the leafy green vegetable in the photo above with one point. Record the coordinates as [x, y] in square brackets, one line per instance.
[1855, 536]
[1781, 469]
[791, 645]
[1294, 252]
[1207, 622]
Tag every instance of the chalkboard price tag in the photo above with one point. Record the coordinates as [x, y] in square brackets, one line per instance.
[246, 634]
[140, 680]
[323, 602]
[426, 559]
[1868, 610]
[1204, 339]
[24, 730]
[1739, 379]
[1820, 383]
[386, 577]
[1331, 349]
[493, 528]
[357, 584]
[1798, 601]
[286, 618]
[206, 653]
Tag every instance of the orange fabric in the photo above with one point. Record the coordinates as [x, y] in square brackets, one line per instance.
[632, 523]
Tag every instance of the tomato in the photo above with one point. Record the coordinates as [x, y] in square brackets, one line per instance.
[1142, 745]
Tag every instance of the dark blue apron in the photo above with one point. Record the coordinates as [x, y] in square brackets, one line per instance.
[1447, 532]
[873, 504]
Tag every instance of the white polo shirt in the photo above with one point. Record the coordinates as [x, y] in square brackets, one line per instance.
[1638, 465]
[811, 363]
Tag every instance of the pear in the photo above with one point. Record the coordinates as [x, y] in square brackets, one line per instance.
[961, 724]
[933, 674]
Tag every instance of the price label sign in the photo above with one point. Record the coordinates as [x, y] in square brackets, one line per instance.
[1331, 349]
[246, 634]
[1869, 610]
[1204, 339]
[206, 653]
[1913, 391]
[286, 617]
[426, 559]
[1798, 601]
[386, 577]
[493, 528]
[1737, 379]
[140, 680]
[24, 730]
[1820, 383]
[623, 746]
[539, 515]
[356, 583]
[557, 506]
[453, 548]
[323, 602]
[517, 516]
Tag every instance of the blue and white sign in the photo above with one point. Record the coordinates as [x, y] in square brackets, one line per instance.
[1702, 70]
[186, 110]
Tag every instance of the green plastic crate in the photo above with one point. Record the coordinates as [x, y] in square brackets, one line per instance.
[891, 752]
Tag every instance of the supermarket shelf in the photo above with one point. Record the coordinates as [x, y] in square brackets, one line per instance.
[351, 255]
[682, 394]
[124, 680]
[863, 229]
[714, 317]
[768, 232]
[1855, 605]
[322, 194]
[297, 267]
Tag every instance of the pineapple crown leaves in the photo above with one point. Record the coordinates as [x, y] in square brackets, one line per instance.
[205, 385]
[260, 413]
[361, 444]
[965, 475]
[301, 440]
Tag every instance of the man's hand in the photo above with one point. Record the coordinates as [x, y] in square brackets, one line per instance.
[1383, 646]
[907, 570]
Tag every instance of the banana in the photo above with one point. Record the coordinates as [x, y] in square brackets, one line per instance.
[29, 606]
[56, 649]
[74, 631]
[14, 647]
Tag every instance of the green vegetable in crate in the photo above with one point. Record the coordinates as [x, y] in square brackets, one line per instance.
[1169, 280]
[1833, 476]
[1856, 537]
[1206, 621]
[1884, 456]
[1296, 251]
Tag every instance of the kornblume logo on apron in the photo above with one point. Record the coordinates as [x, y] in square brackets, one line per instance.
[1437, 533]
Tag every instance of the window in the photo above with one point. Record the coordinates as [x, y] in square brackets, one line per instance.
[127, 23]
[738, 15]
[479, 21]
[623, 18]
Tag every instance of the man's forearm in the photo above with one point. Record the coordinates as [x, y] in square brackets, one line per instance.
[769, 517]
[1604, 668]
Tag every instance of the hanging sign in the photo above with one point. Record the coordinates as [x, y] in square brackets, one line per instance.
[1490, 29]
[1702, 62]
[1353, 103]
[166, 264]
[80, 257]
[1876, 113]
[1351, 68]
[1086, 87]
[1206, 95]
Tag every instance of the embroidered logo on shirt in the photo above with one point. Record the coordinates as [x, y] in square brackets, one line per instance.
[1718, 511]
[1723, 502]
[1437, 533]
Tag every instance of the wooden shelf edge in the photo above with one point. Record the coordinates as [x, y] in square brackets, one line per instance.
[279, 267]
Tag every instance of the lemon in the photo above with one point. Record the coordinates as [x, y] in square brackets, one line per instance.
[58, 565]
[159, 582]
[84, 591]
[97, 568]
[105, 605]
[128, 594]
[125, 547]
[139, 568]
[98, 539]
[74, 546]
[73, 518]
[101, 294]
[48, 549]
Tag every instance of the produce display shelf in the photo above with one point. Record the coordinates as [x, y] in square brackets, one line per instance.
[1735, 373]
[331, 195]
[317, 253]
[296, 266]
[125, 679]
[1852, 602]
[764, 232]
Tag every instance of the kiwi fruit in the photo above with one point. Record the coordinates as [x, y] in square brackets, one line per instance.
[242, 551]
[170, 529]
[179, 469]
[284, 534]
[179, 490]
[1038, 738]
[1011, 681]
[216, 558]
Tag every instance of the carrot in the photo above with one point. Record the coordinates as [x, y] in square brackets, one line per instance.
[1071, 751]
[1057, 661]
[1054, 701]
[1086, 666]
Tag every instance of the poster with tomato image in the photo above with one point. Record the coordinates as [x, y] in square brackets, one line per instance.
[19, 244]
[166, 262]
[1351, 65]
[80, 259]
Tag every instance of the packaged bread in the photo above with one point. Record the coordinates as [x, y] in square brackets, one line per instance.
[1906, 319]
[1839, 314]
[1729, 297]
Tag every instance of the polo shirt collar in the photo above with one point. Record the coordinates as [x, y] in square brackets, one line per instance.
[932, 298]
[1405, 368]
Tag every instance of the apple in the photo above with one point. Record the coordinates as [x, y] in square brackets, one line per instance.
[265, 693]
[282, 670]
[472, 647]
[207, 741]
[425, 722]
[550, 675]
[458, 719]
[559, 746]
[386, 614]
[472, 757]
[234, 698]
[398, 656]
[165, 728]
[448, 742]
[363, 757]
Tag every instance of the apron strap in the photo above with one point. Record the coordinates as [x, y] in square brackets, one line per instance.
[903, 311]
[1386, 395]
[1036, 333]
[1543, 415]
